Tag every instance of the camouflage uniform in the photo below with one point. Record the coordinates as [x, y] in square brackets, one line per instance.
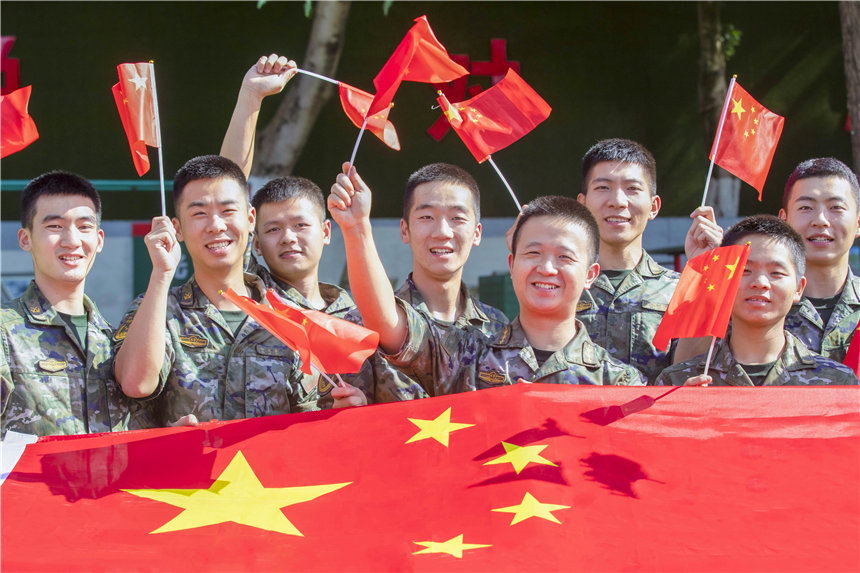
[833, 339]
[212, 373]
[797, 366]
[624, 321]
[49, 386]
[379, 381]
[465, 359]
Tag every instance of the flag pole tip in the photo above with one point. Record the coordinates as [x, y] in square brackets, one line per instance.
[438, 92]
[151, 61]
[735, 76]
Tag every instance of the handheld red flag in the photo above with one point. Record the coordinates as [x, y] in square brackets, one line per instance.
[17, 128]
[355, 103]
[419, 57]
[703, 299]
[333, 345]
[852, 357]
[497, 117]
[748, 138]
[134, 96]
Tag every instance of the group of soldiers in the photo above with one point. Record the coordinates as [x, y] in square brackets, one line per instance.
[590, 297]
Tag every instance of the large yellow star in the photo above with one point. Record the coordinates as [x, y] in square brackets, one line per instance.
[531, 507]
[732, 267]
[453, 546]
[738, 109]
[438, 429]
[238, 496]
[521, 456]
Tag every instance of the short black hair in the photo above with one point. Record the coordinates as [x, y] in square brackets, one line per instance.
[564, 209]
[56, 183]
[443, 173]
[822, 167]
[289, 187]
[772, 227]
[623, 150]
[206, 167]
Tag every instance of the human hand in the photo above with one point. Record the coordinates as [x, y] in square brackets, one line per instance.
[700, 380]
[704, 233]
[350, 198]
[269, 75]
[163, 246]
[347, 396]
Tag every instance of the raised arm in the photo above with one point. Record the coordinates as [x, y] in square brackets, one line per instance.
[349, 205]
[268, 76]
[704, 233]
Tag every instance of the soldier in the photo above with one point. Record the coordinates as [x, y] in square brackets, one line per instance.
[55, 357]
[759, 351]
[554, 257]
[626, 303]
[821, 203]
[189, 348]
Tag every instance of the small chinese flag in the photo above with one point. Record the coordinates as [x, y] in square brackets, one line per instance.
[852, 357]
[748, 138]
[135, 100]
[333, 345]
[703, 300]
[355, 104]
[497, 117]
[419, 57]
[17, 128]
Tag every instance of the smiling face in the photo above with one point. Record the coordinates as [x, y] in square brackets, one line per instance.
[620, 199]
[291, 235]
[550, 266]
[823, 211]
[64, 238]
[441, 230]
[769, 285]
[214, 220]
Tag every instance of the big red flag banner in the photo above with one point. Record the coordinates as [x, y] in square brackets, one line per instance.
[748, 138]
[497, 117]
[703, 299]
[355, 103]
[532, 477]
[17, 128]
[135, 101]
[419, 57]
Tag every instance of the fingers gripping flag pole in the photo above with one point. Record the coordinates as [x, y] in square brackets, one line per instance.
[158, 138]
[717, 140]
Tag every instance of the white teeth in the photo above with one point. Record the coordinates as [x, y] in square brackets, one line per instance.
[545, 285]
[218, 245]
[820, 240]
[441, 251]
[70, 257]
[617, 219]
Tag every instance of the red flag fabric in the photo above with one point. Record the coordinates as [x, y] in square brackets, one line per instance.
[419, 57]
[355, 103]
[134, 97]
[748, 139]
[17, 128]
[497, 117]
[703, 299]
[852, 357]
[333, 345]
[532, 477]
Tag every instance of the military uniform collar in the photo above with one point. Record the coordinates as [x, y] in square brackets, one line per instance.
[335, 298]
[580, 350]
[795, 356]
[850, 297]
[471, 312]
[192, 296]
[40, 310]
[646, 268]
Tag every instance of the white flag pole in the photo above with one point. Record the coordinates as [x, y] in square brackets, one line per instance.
[710, 353]
[158, 137]
[505, 181]
[717, 138]
[318, 76]
[357, 141]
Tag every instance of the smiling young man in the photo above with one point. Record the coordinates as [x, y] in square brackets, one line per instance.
[55, 355]
[821, 203]
[759, 351]
[188, 347]
[554, 258]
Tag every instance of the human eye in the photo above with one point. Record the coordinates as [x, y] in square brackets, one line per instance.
[271, 230]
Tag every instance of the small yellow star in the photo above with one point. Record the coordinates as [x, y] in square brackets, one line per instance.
[738, 109]
[710, 288]
[752, 131]
[746, 133]
[453, 546]
[732, 267]
[752, 109]
[438, 429]
[531, 507]
[706, 267]
[715, 258]
[755, 121]
[521, 456]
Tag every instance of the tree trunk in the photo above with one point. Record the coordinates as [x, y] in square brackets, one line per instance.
[280, 143]
[849, 16]
[724, 190]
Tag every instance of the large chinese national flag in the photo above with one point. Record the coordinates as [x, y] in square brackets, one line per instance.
[519, 478]
[134, 95]
[748, 138]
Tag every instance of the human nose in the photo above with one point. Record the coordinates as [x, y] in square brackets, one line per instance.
[288, 236]
[70, 237]
[820, 219]
[443, 229]
[546, 267]
[216, 224]
[760, 281]
[617, 197]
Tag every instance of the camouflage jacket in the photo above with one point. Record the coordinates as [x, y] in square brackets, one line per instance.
[624, 321]
[833, 339]
[469, 360]
[49, 385]
[379, 381]
[796, 366]
[212, 373]
[476, 314]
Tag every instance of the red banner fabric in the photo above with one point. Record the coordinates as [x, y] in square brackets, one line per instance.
[355, 103]
[530, 477]
[17, 128]
[134, 101]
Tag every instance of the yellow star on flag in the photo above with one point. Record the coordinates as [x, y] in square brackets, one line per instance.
[438, 429]
[706, 267]
[732, 267]
[738, 109]
[710, 287]
[139, 82]
[453, 546]
[715, 258]
[752, 109]
[755, 121]
[746, 133]
[752, 131]
[531, 507]
[521, 456]
[238, 496]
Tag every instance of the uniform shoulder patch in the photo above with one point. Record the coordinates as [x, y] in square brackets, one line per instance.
[193, 341]
[589, 355]
[324, 386]
[492, 377]
[582, 305]
[52, 365]
[122, 331]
